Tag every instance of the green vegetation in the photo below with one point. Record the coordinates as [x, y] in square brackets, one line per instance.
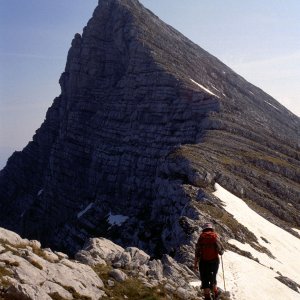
[132, 288]
[72, 291]
[41, 253]
[257, 156]
[36, 264]
[11, 263]
[4, 272]
[56, 296]
[4, 284]
[102, 271]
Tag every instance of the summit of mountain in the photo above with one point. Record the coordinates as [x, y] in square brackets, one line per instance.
[145, 125]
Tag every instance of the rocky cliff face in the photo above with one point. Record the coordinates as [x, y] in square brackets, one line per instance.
[146, 123]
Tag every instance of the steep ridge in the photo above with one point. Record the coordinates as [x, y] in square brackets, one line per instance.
[146, 123]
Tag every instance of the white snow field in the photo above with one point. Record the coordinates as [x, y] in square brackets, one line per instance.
[247, 279]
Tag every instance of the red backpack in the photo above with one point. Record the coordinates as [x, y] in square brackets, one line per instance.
[207, 246]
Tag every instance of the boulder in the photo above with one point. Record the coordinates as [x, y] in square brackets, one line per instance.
[122, 260]
[11, 237]
[98, 251]
[156, 269]
[118, 275]
[25, 291]
[138, 257]
[38, 277]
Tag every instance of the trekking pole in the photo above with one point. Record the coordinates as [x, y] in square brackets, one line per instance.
[223, 273]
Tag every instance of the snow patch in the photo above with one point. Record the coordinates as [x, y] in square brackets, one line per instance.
[81, 213]
[40, 192]
[272, 105]
[215, 88]
[263, 258]
[247, 279]
[116, 219]
[204, 88]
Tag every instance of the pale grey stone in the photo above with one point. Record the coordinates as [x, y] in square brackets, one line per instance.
[61, 255]
[50, 256]
[122, 259]
[11, 237]
[118, 275]
[170, 288]
[98, 251]
[110, 283]
[138, 257]
[53, 288]
[25, 291]
[34, 244]
[156, 269]
[36, 275]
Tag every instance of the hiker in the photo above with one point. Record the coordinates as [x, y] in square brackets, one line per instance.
[208, 249]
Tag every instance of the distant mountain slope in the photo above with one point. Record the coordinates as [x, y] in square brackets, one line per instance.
[146, 123]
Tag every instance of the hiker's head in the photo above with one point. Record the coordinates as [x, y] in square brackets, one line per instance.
[207, 227]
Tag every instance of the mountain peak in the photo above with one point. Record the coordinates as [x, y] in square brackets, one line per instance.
[146, 123]
[131, 5]
[119, 2]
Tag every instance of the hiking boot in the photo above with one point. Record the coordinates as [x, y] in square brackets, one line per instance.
[216, 294]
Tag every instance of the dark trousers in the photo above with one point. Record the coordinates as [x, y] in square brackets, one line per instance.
[208, 273]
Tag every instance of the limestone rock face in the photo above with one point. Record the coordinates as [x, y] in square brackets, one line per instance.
[172, 275]
[145, 124]
[30, 273]
[98, 251]
[118, 275]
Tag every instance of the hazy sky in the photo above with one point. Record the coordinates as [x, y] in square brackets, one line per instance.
[259, 39]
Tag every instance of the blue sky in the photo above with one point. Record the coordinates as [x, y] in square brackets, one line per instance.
[259, 39]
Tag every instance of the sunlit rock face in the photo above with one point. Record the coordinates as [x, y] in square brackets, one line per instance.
[34, 273]
[146, 123]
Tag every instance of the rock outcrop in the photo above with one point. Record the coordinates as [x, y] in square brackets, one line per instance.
[30, 272]
[146, 123]
[174, 277]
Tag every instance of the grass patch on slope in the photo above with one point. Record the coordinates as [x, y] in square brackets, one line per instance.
[133, 288]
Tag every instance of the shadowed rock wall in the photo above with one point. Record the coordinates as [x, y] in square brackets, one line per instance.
[145, 122]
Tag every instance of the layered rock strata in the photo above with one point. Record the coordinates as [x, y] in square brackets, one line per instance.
[146, 123]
